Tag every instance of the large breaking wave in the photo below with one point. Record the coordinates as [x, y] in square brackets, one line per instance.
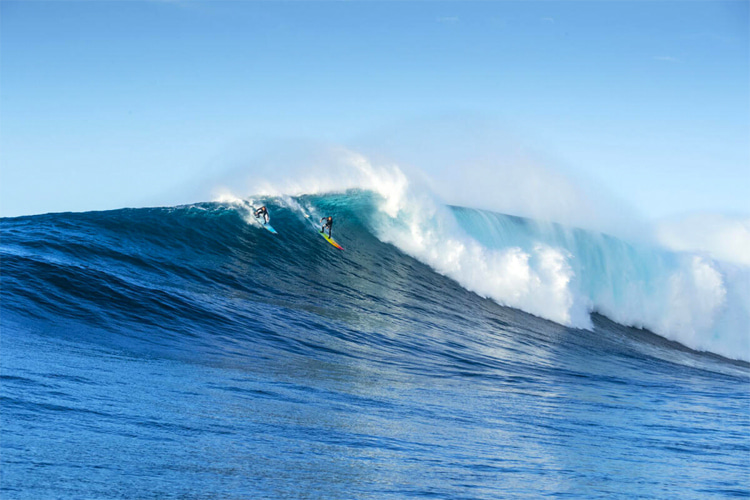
[553, 271]
[101, 265]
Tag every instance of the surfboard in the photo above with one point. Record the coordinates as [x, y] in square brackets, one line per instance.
[263, 223]
[330, 240]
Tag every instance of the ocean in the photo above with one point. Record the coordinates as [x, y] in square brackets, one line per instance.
[446, 352]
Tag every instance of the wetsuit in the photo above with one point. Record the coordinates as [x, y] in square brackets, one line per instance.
[262, 211]
[328, 224]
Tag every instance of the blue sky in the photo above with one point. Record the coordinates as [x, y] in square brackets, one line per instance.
[111, 104]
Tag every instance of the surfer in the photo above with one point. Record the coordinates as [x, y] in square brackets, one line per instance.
[328, 224]
[262, 211]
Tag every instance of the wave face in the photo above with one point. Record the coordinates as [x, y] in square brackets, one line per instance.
[217, 358]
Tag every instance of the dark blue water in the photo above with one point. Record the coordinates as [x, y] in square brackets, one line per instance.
[184, 353]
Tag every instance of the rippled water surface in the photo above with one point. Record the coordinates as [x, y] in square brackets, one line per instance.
[183, 353]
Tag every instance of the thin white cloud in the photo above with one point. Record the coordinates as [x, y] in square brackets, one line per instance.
[548, 19]
[448, 20]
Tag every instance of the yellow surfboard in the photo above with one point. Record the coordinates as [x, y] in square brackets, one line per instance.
[330, 240]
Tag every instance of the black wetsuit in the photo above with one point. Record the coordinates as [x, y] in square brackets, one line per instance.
[328, 224]
[262, 211]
